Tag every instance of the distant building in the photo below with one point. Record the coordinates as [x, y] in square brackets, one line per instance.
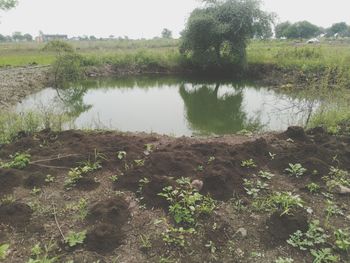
[46, 38]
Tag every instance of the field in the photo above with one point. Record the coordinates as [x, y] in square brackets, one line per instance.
[284, 54]
[109, 197]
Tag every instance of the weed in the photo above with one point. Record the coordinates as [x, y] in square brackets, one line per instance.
[49, 178]
[75, 238]
[265, 175]
[186, 204]
[142, 183]
[114, 178]
[284, 260]
[121, 155]
[254, 187]
[332, 209]
[313, 187]
[145, 242]
[149, 148]
[4, 248]
[211, 159]
[176, 236]
[40, 254]
[337, 177]
[324, 256]
[248, 163]
[272, 155]
[80, 207]
[140, 162]
[7, 199]
[295, 170]
[342, 239]
[315, 235]
[200, 168]
[35, 191]
[211, 246]
[285, 202]
[75, 174]
[19, 161]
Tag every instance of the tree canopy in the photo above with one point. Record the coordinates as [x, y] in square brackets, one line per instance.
[166, 33]
[342, 29]
[218, 33]
[302, 29]
[7, 4]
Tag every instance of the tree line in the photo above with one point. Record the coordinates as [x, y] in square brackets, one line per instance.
[305, 29]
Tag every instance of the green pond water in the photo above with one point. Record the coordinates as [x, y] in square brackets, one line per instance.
[170, 105]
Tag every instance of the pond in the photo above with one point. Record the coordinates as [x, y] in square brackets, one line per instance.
[170, 105]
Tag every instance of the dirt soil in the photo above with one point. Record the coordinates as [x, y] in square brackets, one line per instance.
[125, 223]
[17, 83]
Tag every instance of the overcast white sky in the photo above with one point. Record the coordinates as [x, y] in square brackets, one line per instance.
[144, 18]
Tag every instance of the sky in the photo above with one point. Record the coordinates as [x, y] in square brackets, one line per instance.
[144, 18]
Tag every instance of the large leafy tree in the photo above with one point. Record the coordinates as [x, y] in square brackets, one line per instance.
[341, 29]
[218, 33]
[302, 29]
[7, 4]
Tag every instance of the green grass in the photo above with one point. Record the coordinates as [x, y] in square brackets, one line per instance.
[285, 54]
[305, 57]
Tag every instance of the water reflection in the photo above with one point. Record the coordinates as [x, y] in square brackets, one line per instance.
[170, 105]
[210, 113]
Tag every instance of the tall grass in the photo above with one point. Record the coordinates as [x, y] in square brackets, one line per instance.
[12, 123]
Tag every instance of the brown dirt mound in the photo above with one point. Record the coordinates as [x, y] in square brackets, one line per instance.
[104, 238]
[9, 179]
[15, 214]
[279, 228]
[296, 133]
[34, 180]
[151, 190]
[87, 184]
[112, 211]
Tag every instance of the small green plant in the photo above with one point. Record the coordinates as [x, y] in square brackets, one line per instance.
[145, 242]
[332, 209]
[114, 178]
[7, 199]
[248, 163]
[35, 191]
[140, 162]
[295, 170]
[313, 187]
[285, 202]
[337, 177]
[200, 168]
[342, 239]
[40, 254]
[186, 204]
[4, 248]
[149, 148]
[121, 155]
[211, 246]
[75, 174]
[142, 183]
[284, 260]
[211, 159]
[315, 235]
[253, 188]
[324, 255]
[272, 155]
[177, 236]
[265, 175]
[49, 178]
[75, 238]
[19, 161]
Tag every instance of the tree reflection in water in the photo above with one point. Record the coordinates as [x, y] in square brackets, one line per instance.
[207, 112]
